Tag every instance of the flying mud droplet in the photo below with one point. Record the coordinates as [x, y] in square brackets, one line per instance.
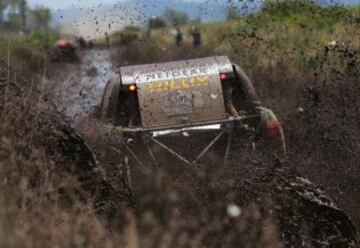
[233, 210]
[214, 96]
[186, 134]
[300, 110]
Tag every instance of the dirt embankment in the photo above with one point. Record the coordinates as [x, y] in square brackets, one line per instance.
[320, 112]
[51, 183]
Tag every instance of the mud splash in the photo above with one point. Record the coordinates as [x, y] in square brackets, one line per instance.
[78, 88]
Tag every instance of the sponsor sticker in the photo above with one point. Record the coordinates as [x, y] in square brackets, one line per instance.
[183, 84]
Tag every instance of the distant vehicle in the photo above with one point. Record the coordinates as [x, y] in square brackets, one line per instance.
[185, 97]
[64, 50]
[83, 43]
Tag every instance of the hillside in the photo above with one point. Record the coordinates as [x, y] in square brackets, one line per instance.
[298, 35]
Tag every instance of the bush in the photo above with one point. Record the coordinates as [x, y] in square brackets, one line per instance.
[28, 54]
[44, 198]
[39, 39]
[130, 34]
[35, 41]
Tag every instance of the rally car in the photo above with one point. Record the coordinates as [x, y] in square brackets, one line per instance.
[177, 98]
[64, 50]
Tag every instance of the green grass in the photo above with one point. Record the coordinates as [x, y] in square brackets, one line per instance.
[27, 54]
[294, 35]
[33, 42]
[290, 31]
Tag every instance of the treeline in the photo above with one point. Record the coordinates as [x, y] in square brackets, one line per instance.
[331, 8]
[17, 16]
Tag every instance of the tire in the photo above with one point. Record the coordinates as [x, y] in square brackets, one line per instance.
[251, 98]
[109, 101]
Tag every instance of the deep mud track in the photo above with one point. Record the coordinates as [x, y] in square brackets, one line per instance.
[78, 87]
[304, 215]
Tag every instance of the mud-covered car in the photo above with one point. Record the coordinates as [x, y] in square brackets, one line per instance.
[83, 43]
[189, 96]
[64, 50]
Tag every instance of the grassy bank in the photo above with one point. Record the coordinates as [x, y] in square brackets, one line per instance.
[293, 34]
[41, 204]
[27, 53]
[37, 40]
[297, 34]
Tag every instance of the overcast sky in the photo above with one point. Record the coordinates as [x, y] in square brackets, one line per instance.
[61, 4]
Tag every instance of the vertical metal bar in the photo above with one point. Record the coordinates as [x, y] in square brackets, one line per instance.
[228, 148]
[212, 143]
[151, 153]
[128, 173]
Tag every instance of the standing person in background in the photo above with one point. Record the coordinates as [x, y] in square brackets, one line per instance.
[196, 34]
[179, 37]
[107, 39]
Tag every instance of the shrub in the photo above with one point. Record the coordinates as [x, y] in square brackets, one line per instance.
[130, 34]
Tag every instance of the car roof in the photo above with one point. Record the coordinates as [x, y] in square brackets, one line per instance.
[142, 74]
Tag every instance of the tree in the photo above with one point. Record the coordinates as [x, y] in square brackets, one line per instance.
[233, 13]
[286, 5]
[42, 17]
[3, 6]
[23, 10]
[17, 14]
[175, 17]
[15, 22]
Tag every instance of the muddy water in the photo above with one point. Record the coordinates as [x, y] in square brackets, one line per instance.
[79, 88]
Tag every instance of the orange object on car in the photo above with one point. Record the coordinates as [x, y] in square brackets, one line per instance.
[63, 43]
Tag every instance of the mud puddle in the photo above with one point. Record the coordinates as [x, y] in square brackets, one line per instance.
[78, 88]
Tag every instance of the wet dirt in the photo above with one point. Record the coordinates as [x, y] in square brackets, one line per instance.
[77, 89]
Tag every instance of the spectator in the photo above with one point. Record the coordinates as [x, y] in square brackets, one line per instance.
[179, 37]
[196, 34]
